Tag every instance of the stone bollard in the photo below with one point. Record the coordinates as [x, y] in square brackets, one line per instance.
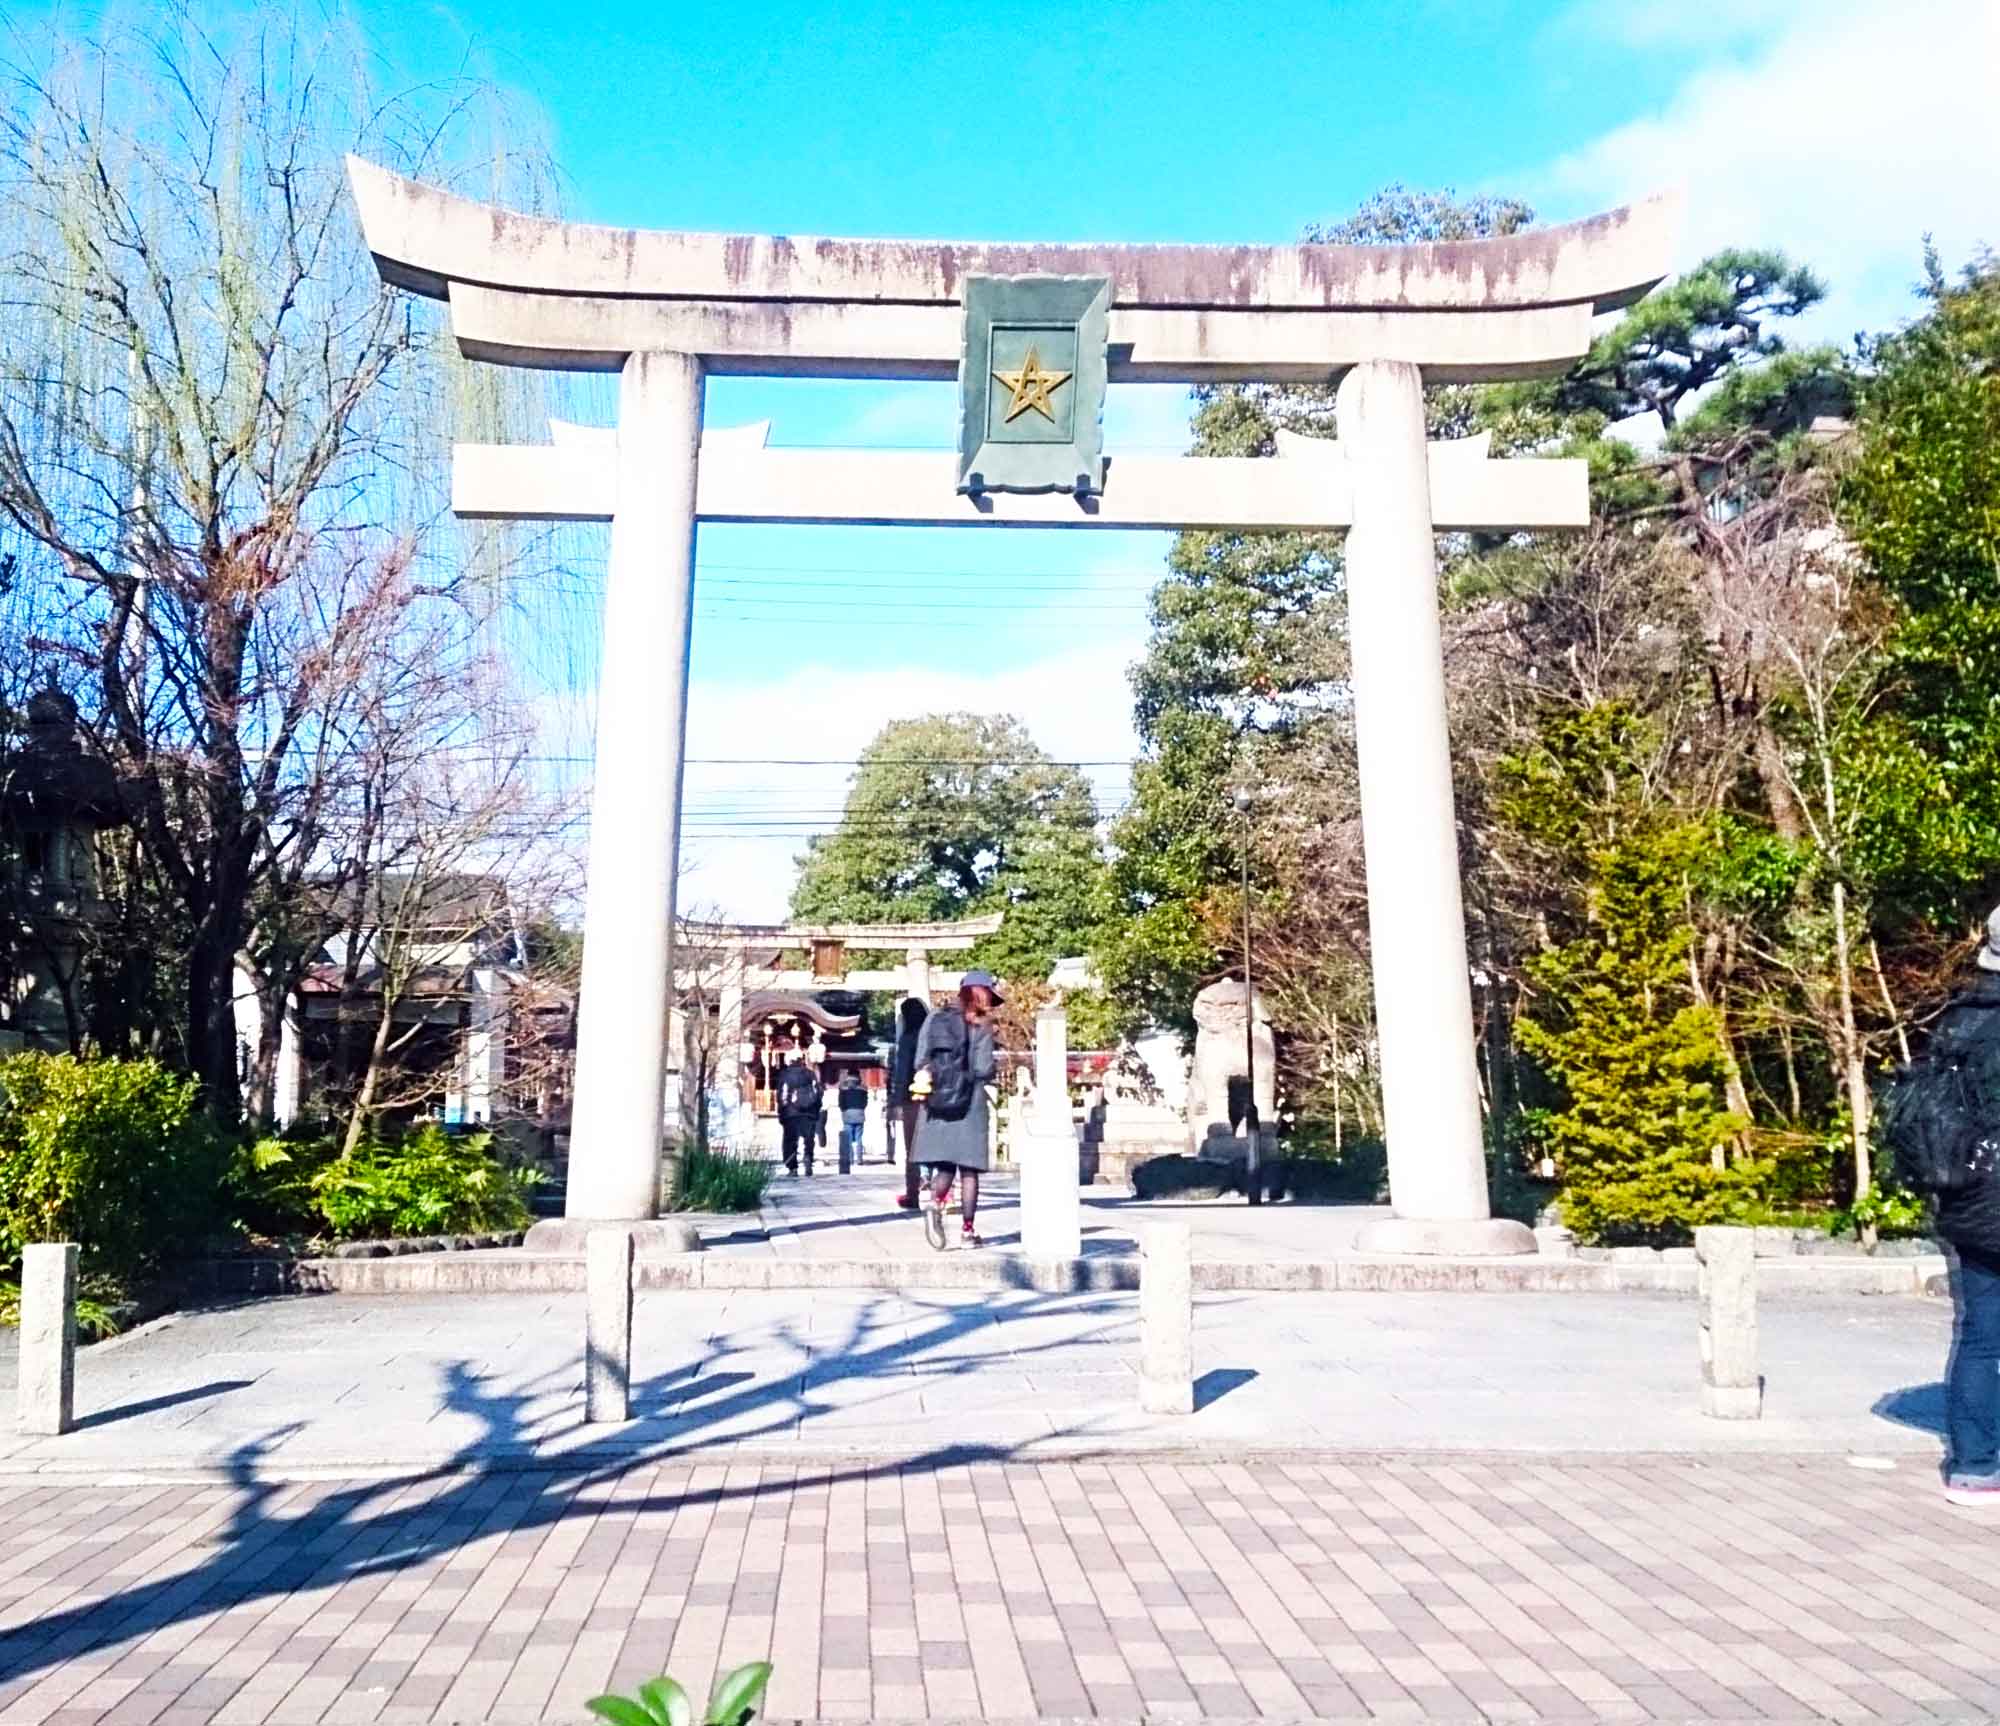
[1730, 1386]
[48, 1339]
[607, 1333]
[1166, 1320]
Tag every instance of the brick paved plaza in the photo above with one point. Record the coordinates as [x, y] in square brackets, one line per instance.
[1469, 1588]
[947, 1506]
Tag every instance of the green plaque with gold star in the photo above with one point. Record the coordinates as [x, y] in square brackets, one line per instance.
[1031, 378]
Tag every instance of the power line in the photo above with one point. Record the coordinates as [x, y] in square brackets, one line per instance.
[592, 580]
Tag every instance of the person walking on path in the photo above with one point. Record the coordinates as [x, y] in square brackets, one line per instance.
[799, 1097]
[1941, 1117]
[904, 1109]
[853, 1098]
[954, 1063]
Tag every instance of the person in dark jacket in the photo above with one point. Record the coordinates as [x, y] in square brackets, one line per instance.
[853, 1099]
[1968, 1220]
[956, 1147]
[904, 1110]
[800, 1096]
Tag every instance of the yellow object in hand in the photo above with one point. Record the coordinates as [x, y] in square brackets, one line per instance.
[920, 1085]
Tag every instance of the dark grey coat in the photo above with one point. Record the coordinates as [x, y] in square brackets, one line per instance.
[963, 1142]
[1970, 1218]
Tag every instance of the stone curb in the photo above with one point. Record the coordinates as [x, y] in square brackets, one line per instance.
[610, 1451]
[515, 1272]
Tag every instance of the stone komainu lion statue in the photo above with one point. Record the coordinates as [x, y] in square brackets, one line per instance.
[1219, 1057]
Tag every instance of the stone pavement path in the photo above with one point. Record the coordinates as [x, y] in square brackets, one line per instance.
[360, 1382]
[854, 1216]
[1357, 1588]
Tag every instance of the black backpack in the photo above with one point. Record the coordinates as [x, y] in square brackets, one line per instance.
[947, 1053]
[798, 1091]
[1940, 1115]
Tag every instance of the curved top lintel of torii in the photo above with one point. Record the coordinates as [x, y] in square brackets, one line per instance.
[425, 239]
[956, 935]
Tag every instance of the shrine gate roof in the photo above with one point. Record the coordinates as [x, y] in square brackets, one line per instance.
[427, 239]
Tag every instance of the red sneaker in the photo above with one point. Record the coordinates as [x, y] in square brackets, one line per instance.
[905, 1203]
[967, 1238]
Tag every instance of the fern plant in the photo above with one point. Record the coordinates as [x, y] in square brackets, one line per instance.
[663, 1702]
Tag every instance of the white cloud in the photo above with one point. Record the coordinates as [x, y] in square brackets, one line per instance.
[1076, 703]
[1664, 23]
[1843, 135]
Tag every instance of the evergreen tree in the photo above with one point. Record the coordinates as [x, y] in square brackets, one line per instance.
[1642, 1121]
[956, 815]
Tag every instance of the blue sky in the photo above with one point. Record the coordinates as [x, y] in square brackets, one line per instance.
[1843, 130]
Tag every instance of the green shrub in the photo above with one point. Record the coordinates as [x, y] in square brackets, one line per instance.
[111, 1154]
[97, 1303]
[1890, 1211]
[712, 1180]
[432, 1183]
[662, 1702]
[1357, 1173]
[1804, 1166]
[269, 1186]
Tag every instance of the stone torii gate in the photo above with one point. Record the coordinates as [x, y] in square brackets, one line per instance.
[827, 945]
[664, 309]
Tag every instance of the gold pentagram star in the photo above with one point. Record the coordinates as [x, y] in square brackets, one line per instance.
[1031, 386]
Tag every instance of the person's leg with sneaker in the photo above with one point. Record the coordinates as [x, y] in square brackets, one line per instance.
[935, 1202]
[968, 1204]
[1972, 1385]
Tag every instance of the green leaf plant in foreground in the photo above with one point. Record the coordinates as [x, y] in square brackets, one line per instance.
[663, 1702]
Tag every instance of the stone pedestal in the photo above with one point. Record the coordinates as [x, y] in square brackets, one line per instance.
[628, 918]
[1416, 914]
[1051, 1208]
[570, 1236]
[1731, 1387]
[48, 1339]
[607, 1347]
[1166, 1319]
[1553, 1241]
[1134, 1133]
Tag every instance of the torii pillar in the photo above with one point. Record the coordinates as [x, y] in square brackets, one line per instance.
[1409, 832]
[622, 1006]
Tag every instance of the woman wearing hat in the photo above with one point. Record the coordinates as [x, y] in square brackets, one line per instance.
[954, 1065]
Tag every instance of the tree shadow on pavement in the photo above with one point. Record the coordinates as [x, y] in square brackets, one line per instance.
[287, 1535]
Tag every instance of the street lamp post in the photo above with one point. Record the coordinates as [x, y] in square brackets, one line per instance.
[1253, 1170]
